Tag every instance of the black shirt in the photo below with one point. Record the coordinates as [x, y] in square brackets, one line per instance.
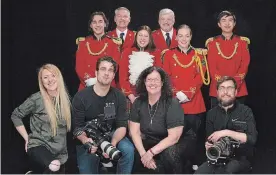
[168, 114]
[87, 105]
[238, 118]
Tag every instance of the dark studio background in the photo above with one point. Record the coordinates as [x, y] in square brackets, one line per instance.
[38, 32]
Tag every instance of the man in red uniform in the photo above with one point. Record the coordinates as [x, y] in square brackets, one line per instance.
[122, 19]
[228, 55]
[164, 38]
[93, 47]
[186, 67]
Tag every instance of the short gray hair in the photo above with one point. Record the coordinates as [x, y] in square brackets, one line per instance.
[122, 8]
[166, 11]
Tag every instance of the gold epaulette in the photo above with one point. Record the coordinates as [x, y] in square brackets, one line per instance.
[135, 32]
[163, 54]
[164, 51]
[245, 39]
[201, 51]
[117, 41]
[79, 39]
[209, 40]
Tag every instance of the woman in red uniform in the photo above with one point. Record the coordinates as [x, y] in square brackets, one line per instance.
[186, 67]
[134, 60]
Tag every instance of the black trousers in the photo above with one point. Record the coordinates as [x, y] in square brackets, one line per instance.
[192, 128]
[214, 100]
[234, 166]
[171, 160]
[40, 159]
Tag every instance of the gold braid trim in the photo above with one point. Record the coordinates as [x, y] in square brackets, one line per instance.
[97, 53]
[229, 57]
[183, 65]
[217, 77]
[206, 80]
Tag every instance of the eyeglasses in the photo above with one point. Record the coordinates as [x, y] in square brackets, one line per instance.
[153, 80]
[228, 89]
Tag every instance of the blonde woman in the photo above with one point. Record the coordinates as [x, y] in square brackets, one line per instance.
[50, 119]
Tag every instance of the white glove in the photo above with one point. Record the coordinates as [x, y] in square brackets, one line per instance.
[182, 97]
[90, 81]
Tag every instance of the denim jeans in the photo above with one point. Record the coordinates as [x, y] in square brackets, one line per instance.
[89, 163]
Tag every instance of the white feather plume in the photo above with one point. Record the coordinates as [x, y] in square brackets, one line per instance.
[138, 61]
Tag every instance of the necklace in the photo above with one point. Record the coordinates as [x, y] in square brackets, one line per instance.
[152, 116]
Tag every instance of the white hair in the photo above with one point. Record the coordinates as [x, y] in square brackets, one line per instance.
[166, 11]
[122, 8]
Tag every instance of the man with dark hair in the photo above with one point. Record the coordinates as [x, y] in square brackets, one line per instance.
[228, 54]
[229, 120]
[96, 45]
[122, 19]
[104, 103]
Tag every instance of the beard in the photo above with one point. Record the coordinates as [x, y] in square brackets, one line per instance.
[226, 103]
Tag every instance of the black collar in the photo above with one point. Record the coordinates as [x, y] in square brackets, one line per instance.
[95, 38]
[223, 37]
[188, 51]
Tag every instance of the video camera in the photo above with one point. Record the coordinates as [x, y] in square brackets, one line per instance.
[222, 150]
[100, 132]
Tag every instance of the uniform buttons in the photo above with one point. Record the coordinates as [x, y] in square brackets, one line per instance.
[88, 65]
[176, 76]
[174, 64]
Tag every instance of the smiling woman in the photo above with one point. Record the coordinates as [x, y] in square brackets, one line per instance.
[156, 125]
[50, 119]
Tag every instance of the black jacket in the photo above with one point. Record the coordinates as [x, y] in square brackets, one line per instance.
[238, 118]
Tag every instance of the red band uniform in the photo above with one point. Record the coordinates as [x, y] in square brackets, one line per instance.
[128, 41]
[187, 73]
[228, 58]
[90, 50]
[160, 42]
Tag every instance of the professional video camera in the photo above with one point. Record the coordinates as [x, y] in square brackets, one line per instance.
[100, 132]
[222, 150]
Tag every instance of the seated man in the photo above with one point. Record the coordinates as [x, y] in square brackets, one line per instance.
[104, 103]
[227, 125]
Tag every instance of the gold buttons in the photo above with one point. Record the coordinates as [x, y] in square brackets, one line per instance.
[88, 65]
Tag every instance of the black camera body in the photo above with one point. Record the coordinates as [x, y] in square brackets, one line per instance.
[100, 132]
[222, 150]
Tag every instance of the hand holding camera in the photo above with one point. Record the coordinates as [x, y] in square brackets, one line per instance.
[89, 146]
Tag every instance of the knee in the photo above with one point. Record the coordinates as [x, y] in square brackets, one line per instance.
[54, 165]
[126, 147]
[171, 152]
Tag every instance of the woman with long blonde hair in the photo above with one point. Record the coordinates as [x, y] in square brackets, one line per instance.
[50, 120]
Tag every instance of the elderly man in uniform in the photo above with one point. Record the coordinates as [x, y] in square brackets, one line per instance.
[122, 19]
[165, 37]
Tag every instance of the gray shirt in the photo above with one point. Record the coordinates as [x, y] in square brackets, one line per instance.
[41, 133]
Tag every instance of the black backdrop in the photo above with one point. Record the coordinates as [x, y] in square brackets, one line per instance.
[38, 32]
